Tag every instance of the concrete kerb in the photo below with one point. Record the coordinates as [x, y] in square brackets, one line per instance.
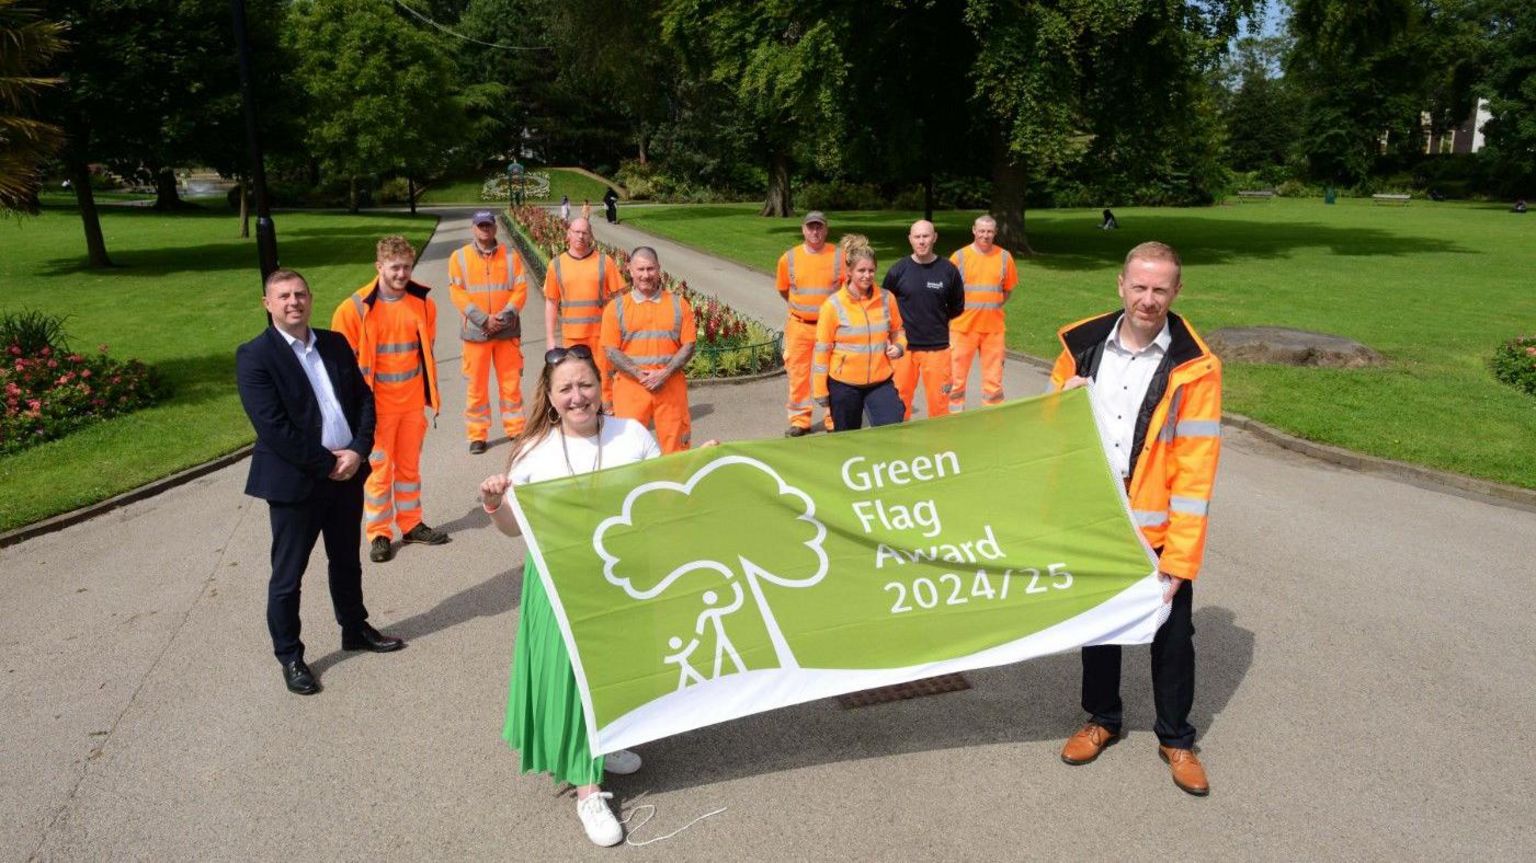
[537, 269]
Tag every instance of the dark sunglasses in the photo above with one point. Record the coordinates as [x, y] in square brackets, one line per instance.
[556, 356]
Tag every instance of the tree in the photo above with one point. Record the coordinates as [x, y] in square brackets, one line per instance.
[1509, 80]
[380, 89]
[27, 44]
[1260, 109]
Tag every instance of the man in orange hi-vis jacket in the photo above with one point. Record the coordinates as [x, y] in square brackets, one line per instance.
[1157, 396]
[648, 337]
[808, 274]
[990, 276]
[577, 284]
[391, 324]
[487, 284]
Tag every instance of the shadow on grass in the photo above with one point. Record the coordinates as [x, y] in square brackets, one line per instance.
[195, 380]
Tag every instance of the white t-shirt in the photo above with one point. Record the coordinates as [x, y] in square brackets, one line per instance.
[621, 441]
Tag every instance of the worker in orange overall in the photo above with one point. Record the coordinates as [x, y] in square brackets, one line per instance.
[578, 283]
[648, 337]
[808, 274]
[859, 337]
[488, 285]
[989, 275]
[391, 324]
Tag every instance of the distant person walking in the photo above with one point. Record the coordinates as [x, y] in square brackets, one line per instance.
[488, 284]
[930, 294]
[391, 324]
[648, 337]
[565, 208]
[611, 205]
[990, 277]
[858, 336]
[807, 275]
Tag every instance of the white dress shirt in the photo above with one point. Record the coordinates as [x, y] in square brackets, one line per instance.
[1119, 388]
[334, 432]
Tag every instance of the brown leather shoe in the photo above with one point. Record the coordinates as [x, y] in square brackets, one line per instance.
[1087, 743]
[1188, 773]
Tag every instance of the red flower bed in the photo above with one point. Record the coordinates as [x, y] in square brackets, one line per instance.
[50, 393]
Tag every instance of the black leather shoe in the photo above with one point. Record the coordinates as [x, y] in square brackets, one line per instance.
[300, 679]
[365, 637]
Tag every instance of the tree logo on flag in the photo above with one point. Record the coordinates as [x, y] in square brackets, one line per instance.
[786, 552]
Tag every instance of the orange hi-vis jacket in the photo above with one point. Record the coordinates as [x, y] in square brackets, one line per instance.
[989, 279]
[393, 344]
[851, 336]
[582, 286]
[483, 286]
[806, 279]
[649, 332]
[1178, 436]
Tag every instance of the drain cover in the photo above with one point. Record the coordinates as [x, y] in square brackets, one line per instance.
[902, 691]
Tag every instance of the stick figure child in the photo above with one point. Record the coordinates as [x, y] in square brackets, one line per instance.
[685, 669]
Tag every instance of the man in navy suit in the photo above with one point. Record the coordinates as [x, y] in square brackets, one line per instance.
[313, 416]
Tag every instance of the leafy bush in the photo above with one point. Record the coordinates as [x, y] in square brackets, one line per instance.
[1514, 363]
[32, 331]
[395, 190]
[50, 393]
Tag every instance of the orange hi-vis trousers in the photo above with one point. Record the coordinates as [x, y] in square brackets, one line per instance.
[963, 346]
[506, 356]
[934, 368]
[392, 491]
[799, 352]
[667, 408]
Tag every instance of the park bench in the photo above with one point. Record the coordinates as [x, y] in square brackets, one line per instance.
[1255, 195]
[1391, 199]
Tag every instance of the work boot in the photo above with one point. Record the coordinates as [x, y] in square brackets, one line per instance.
[797, 431]
[1188, 772]
[1087, 743]
[477, 447]
[425, 535]
[380, 550]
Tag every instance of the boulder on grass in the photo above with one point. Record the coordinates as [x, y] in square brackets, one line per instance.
[1288, 347]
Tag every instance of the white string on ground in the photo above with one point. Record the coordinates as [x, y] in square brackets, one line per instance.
[469, 39]
[629, 834]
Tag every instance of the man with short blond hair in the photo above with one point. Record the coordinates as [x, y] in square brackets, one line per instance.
[1156, 391]
[990, 276]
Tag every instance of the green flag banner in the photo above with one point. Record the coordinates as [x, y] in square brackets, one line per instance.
[720, 582]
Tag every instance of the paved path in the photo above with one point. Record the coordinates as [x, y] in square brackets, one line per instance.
[1363, 695]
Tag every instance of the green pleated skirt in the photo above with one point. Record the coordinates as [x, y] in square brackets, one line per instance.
[545, 721]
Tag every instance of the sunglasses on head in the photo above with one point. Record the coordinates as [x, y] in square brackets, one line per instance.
[556, 356]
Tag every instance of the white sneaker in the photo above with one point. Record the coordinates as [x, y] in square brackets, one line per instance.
[621, 762]
[602, 828]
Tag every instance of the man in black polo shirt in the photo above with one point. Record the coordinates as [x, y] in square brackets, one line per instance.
[929, 292]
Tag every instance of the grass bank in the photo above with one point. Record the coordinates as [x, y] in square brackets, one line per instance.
[186, 293]
[1433, 286]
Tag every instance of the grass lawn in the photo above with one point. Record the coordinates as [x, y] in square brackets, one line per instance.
[186, 293]
[1432, 286]
[561, 182]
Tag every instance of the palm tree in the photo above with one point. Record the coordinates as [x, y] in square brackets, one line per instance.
[27, 43]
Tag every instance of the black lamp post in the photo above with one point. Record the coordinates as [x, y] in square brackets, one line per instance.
[266, 232]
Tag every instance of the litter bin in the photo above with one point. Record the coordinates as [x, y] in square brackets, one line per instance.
[1330, 195]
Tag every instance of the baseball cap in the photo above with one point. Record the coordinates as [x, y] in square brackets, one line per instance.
[813, 216]
[483, 217]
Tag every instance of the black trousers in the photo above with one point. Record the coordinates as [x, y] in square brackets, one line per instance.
[1173, 676]
[334, 510]
[848, 404]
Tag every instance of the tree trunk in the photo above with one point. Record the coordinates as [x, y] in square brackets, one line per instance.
[1008, 183]
[245, 209]
[352, 195]
[778, 202]
[640, 142]
[928, 197]
[167, 196]
[410, 192]
[80, 178]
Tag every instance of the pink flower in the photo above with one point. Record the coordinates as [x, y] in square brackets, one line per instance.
[85, 373]
[52, 364]
[34, 404]
[46, 351]
[15, 350]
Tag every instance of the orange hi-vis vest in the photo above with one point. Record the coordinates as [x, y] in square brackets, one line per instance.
[649, 332]
[582, 286]
[484, 286]
[393, 343]
[1177, 441]
[851, 337]
[808, 278]
[989, 279]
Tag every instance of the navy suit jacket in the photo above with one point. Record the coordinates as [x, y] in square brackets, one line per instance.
[289, 459]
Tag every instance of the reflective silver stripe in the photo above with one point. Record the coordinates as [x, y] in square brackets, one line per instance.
[582, 304]
[1189, 505]
[816, 368]
[973, 304]
[805, 307]
[376, 501]
[1165, 434]
[408, 505]
[805, 404]
[383, 517]
[855, 348]
[862, 331]
[1198, 428]
[397, 377]
[478, 411]
[823, 346]
[1149, 518]
[651, 334]
[510, 406]
[376, 455]
[488, 288]
[591, 319]
[660, 359]
[823, 290]
[398, 347]
[407, 486]
[359, 307]
[984, 286]
[366, 371]
[842, 315]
